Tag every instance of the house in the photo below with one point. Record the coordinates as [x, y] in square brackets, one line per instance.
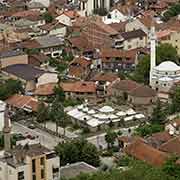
[36, 6]
[173, 127]
[117, 60]
[79, 89]
[12, 57]
[50, 45]
[122, 88]
[142, 95]
[103, 81]
[172, 146]
[30, 161]
[114, 16]
[134, 39]
[171, 37]
[38, 59]
[133, 92]
[67, 17]
[144, 23]
[79, 68]
[26, 103]
[159, 138]
[29, 75]
[54, 28]
[45, 89]
[75, 169]
[144, 152]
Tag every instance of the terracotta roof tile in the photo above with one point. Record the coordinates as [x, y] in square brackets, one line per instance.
[172, 146]
[79, 86]
[45, 89]
[23, 102]
[144, 152]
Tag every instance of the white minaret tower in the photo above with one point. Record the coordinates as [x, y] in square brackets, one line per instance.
[153, 53]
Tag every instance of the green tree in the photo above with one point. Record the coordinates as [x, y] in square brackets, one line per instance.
[42, 113]
[57, 113]
[171, 12]
[175, 105]
[78, 150]
[90, 154]
[59, 93]
[48, 17]
[148, 129]
[9, 88]
[110, 138]
[171, 167]
[158, 115]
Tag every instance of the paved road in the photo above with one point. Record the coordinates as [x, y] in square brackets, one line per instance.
[44, 138]
[99, 140]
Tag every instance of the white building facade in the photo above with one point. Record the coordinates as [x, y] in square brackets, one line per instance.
[87, 7]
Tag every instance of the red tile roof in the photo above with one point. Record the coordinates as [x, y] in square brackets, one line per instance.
[23, 102]
[172, 146]
[144, 152]
[79, 86]
[110, 77]
[45, 89]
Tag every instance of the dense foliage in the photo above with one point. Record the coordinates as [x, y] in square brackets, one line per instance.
[171, 12]
[78, 150]
[10, 87]
[137, 171]
[148, 129]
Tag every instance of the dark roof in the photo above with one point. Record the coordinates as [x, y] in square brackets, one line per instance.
[75, 169]
[143, 91]
[24, 71]
[133, 34]
[11, 53]
[172, 146]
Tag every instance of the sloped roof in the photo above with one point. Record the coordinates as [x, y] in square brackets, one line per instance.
[144, 152]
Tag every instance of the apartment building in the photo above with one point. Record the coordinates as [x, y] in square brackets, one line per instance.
[29, 162]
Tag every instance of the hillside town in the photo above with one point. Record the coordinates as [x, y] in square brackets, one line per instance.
[89, 89]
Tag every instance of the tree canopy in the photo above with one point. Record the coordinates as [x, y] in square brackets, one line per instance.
[137, 171]
[10, 87]
[78, 150]
[171, 12]
[48, 17]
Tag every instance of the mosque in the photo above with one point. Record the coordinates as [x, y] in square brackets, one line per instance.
[164, 75]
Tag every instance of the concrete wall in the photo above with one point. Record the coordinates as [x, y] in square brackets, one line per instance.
[135, 43]
[64, 20]
[141, 100]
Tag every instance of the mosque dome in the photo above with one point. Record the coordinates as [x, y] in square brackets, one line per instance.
[167, 66]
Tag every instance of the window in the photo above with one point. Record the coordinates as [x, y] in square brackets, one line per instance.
[33, 166]
[156, 82]
[21, 175]
[141, 38]
[42, 161]
[34, 177]
[164, 84]
[42, 173]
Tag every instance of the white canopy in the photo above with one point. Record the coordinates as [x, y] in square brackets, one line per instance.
[106, 109]
[121, 113]
[92, 111]
[130, 118]
[94, 122]
[130, 112]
